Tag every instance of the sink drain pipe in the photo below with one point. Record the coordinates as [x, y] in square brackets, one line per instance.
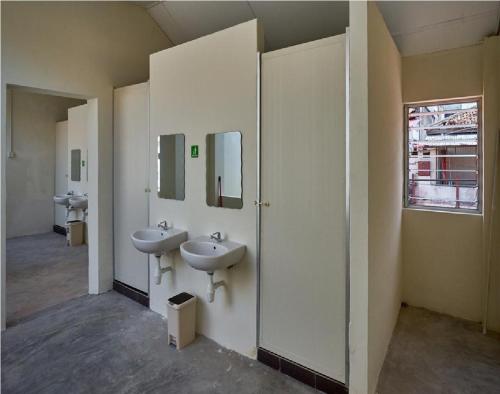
[212, 286]
[159, 270]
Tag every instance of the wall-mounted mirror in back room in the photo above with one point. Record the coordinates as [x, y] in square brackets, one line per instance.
[76, 157]
[224, 171]
[171, 166]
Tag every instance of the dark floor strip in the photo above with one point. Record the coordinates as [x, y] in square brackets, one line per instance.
[131, 292]
[302, 374]
[59, 229]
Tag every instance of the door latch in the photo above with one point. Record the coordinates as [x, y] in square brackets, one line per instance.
[260, 203]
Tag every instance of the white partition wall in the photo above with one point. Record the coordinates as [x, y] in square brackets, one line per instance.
[61, 181]
[78, 137]
[131, 133]
[205, 86]
[304, 228]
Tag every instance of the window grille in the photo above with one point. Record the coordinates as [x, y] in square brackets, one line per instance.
[443, 149]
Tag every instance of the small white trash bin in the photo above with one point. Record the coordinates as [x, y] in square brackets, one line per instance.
[74, 232]
[181, 315]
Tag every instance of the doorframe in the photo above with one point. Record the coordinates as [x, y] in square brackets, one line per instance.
[257, 196]
[98, 267]
[348, 207]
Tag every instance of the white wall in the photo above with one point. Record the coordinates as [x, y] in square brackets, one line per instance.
[3, 184]
[443, 270]
[376, 176]
[204, 86]
[385, 178]
[73, 56]
[358, 184]
[443, 252]
[491, 86]
[443, 75]
[31, 173]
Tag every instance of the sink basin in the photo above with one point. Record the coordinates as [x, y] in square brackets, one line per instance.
[62, 199]
[78, 202]
[208, 255]
[158, 241]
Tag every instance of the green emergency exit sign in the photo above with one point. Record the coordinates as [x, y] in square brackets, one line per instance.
[194, 151]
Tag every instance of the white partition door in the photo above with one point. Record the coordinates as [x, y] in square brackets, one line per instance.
[303, 230]
[61, 181]
[131, 140]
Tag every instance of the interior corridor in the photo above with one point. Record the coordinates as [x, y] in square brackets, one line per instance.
[41, 272]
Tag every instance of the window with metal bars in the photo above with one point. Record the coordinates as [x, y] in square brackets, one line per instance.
[443, 152]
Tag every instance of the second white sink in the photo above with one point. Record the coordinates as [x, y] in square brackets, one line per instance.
[78, 202]
[208, 255]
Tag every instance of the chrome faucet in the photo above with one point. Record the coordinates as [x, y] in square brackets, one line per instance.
[216, 236]
[163, 225]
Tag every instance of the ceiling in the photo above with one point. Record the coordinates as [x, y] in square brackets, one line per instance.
[285, 23]
[424, 27]
[416, 26]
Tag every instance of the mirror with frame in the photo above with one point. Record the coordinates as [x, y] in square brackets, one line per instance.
[171, 167]
[224, 170]
[76, 157]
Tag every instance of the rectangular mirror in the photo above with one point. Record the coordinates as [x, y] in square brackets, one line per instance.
[224, 171]
[171, 166]
[76, 157]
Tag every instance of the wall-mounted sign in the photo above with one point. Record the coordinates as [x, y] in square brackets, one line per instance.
[194, 151]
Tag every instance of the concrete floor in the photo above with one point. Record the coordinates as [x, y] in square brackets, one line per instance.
[61, 341]
[41, 272]
[110, 344]
[433, 353]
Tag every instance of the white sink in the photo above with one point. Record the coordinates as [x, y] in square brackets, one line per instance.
[78, 202]
[62, 199]
[208, 255]
[158, 241]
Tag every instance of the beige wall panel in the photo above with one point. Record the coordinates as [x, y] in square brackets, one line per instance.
[492, 128]
[443, 75]
[442, 262]
[385, 182]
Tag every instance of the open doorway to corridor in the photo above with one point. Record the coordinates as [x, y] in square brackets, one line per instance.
[47, 203]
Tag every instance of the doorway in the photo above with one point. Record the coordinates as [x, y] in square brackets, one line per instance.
[43, 267]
